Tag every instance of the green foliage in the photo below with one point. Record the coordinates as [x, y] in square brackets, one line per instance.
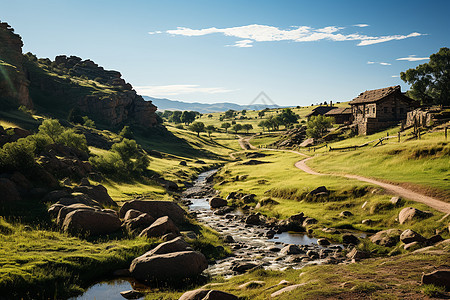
[124, 160]
[197, 127]
[88, 122]
[175, 117]
[225, 125]
[60, 135]
[432, 290]
[236, 128]
[126, 132]
[430, 82]
[318, 125]
[52, 128]
[229, 114]
[210, 129]
[247, 127]
[17, 156]
[188, 117]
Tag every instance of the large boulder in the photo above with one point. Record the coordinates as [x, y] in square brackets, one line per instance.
[291, 249]
[8, 191]
[438, 278]
[217, 202]
[387, 238]
[97, 192]
[55, 195]
[78, 198]
[411, 213]
[156, 209]
[140, 222]
[349, 238]
[131, 214]
[202, 294]
[409, 236]
[168, 267]
[91, 222]
[309, 221]
[197, 294]
[160, 227]
[253, 219]
[175, 245]
[65, 210]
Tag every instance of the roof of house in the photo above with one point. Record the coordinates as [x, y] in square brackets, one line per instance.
[320, 110]
[339, 111]
[375, 95]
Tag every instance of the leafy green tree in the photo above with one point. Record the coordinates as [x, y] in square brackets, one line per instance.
[230, 114]
[225, 125]
[262, 124]
[287, 117]
[261, 113]
[126, 132]
[187, 117]
[175, 117]
[318, 125]
[88, 122]
[244, 112]
[247, 127]
[430, 82]
[60, 135]
[197, 127]
[52, 128]
[236, 128]
[210, 129]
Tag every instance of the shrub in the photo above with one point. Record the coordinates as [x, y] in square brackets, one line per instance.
[17, 156]
[59, 135]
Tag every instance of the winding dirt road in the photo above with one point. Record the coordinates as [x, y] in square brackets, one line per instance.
[391, 188]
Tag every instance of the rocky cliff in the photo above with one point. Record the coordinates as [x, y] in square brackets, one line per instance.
[68, 84]
[13, 80]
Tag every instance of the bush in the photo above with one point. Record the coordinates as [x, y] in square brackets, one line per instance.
[59, 135]
[17, 156]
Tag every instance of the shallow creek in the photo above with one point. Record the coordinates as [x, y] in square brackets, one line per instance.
[250, 244]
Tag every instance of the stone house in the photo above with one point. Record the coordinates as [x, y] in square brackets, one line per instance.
[379, 109]
[341, 115]
[319, 110]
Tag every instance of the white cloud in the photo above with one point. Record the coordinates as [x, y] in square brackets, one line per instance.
[155, 32]
[413, 58]
[361, 25]
[177, 89]
[380, 63]
[243, 44]
[395, 76]
[264, 33]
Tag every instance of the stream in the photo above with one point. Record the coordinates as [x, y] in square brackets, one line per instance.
[251, 248]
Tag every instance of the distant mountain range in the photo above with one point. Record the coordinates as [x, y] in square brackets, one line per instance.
[166, 104]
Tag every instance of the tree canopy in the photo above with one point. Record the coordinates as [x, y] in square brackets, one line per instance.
[197, 127]
[318, 125]
[430, 82]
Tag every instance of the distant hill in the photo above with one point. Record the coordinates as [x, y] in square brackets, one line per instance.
[166, 104]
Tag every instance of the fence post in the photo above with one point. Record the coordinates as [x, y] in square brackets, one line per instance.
[399, 136]
[445, 132]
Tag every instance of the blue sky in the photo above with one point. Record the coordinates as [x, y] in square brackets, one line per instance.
[298, 52]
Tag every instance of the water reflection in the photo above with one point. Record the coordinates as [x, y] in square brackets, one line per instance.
[106, 290]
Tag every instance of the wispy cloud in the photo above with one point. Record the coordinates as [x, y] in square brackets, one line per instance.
[379, 63]
[361, 25]
[178, 89]
[263, 33]
[395, 76]
[413, 58]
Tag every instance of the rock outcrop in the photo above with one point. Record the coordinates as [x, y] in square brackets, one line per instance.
[156, 209]
[13, 80]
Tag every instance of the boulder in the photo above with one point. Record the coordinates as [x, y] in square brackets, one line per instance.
[291, 249]
[367, 222]
[65, 210]
[168, 267]
[323, 242]
[156, 209]
[91, 222]
[131, 214]
[345, 214]
[97, 192]
[438, 278]
[252, 284]
[197, 294]
[411, 246]
[298, 218]
[243, 266]
[54, 210]
[132, 294]
[357, 254]
[54, 196]
[434, 239]
[78, 198]
[411, 213]
[309, 221]
[396, 201]
[228, 239]
[319, 190]
[140, 222]
[387, 238]
[8, 191]
[219, 295]
[160, 227]
[349, 238]
[409, 236]
[175, 245]
[217, 202]
[250, 198]
[253, 219]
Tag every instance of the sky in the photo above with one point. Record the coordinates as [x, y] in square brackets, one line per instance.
[297, 52]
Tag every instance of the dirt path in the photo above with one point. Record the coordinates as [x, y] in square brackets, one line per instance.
[391, 188]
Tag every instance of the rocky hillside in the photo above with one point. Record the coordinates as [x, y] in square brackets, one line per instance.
[13, 80]
[68, 85]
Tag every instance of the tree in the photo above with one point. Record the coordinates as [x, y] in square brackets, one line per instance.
[261, 113]
[287, 117]
[236, 128]
[187, 117]
[210, 116]
[247, 127]
[210, 129]
[88, 122]
[243, 112]
[175, 117]
[262, 124]
[430, 82]
[52, 128]
[229, 114]
[318, 125]
[197, 127]
[126, 132]
[226, 125]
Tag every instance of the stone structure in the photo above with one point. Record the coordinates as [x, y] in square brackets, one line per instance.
[378, 109]
[319, 110]
[427, 116]
[341, 115]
